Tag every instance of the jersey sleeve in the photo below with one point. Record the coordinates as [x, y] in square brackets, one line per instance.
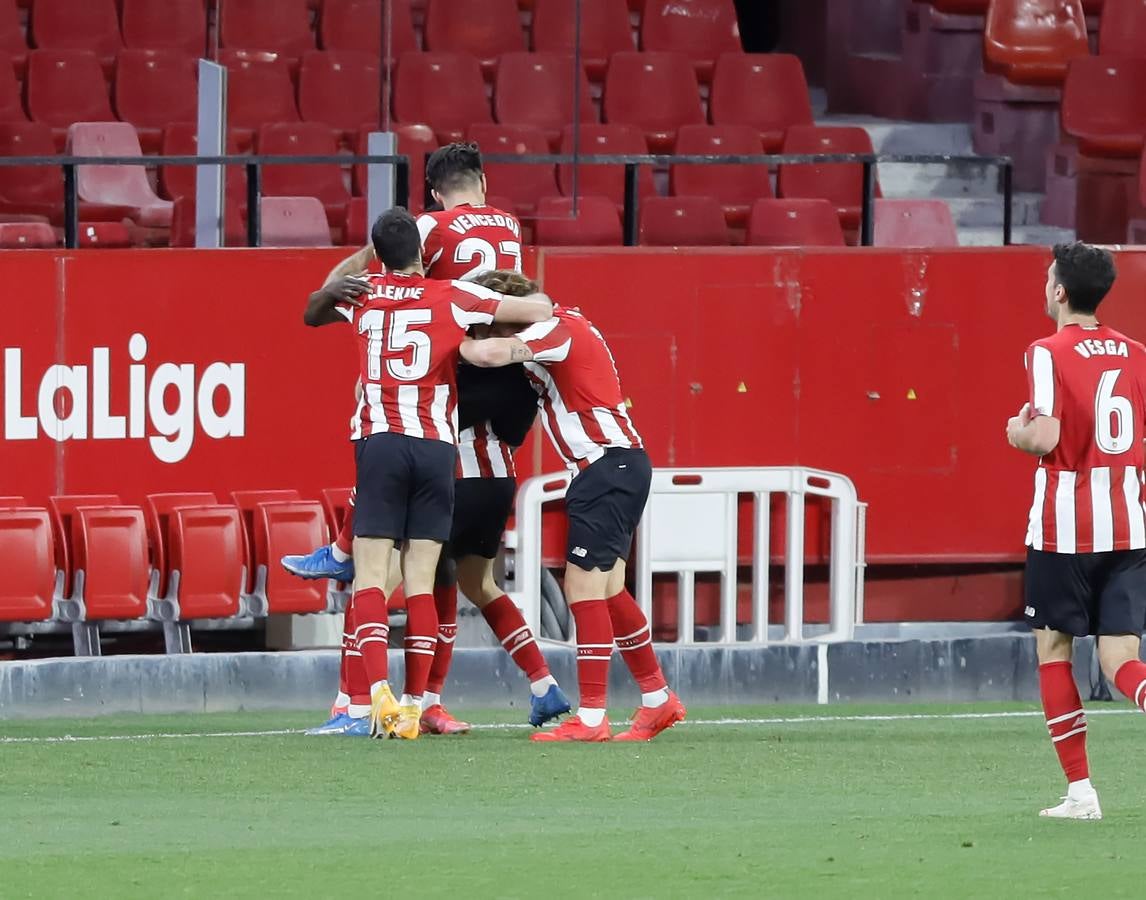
[474, 304]
[550, 340]
[431, 236]
[1042, 381]
[346, 311]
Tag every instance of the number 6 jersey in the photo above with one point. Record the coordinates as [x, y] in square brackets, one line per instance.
[409, 329]
[1088, 490]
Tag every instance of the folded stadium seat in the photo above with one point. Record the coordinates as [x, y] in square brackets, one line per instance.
[657, 92]
[841, 183]
[914, 223]
[605, 179]
[294, 222]
[336, 507]
[683, 222]
[181, 139]
[702, 29]
[442, 90]
[234, 225]
[415, 142]
[357, 230]
[1122, 31]
[63, 508]
[153, 89]
[66, 86]
[28, 557]
[206, 565]
[12, 35]
[259, 90]
[15, 235]
[766, 91]
[1033, 41]
[537, 89]
[11, 502]
[522, 183]
[357, 25]
[11, 103]
[111, 571]
[794, 223]
[170, 25]
[288, 528]
[605, 30]
[299, 180]
[737, 187]
[157, 510]
[340, 89]
[276, 26]
[108, 235]
[486, 29]
[78, 25]
[116, 185]
[597, 222]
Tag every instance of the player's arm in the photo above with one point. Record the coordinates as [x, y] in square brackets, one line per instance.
[1037, 427]
[335, 302]
[1037, 436]
[524, 310]
[491, 353]
[355, 264]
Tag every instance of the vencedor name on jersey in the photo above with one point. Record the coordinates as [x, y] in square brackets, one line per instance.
[469, 221]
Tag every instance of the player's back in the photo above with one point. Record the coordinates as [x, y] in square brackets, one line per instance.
[467, 240]
[1088, 490]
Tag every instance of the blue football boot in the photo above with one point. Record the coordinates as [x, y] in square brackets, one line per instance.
[337, 724]
[360, 728]
[552, 705]
[320, 564]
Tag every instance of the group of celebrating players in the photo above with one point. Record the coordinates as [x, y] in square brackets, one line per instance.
[458, 350]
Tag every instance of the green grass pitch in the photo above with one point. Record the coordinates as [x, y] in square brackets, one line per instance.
[850, 807]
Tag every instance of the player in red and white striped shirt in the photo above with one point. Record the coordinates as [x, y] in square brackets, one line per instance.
[585, 415]
[1086, 562]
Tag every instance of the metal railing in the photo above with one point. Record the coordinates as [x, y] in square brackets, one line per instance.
[632, 163]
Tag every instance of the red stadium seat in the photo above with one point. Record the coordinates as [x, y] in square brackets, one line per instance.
[841, 183]
[154, 89]
[12, 35]
[181, 139]
[14, 235]
[108, 235]
[794, 223]
[206, 562]
[170, 25]
[605, 30]
[281, 529]
[414, 141]
[157, 509]
[336, 506]
[321, 181]
[682, 222]
[294, 222]
[914, 223]
[28, 557]
[522, 184]
[63, 508]
[1033, 41]
[66, 86]
[277, 26]
[597, 222]
[111, 570]
[766, 91]
[1104, 105]
[116, 185]
[605, 180]
[356, 25]
[485, 29]
[247, 502]
[442, 90]
[259, 90]
[234, 226]
[537, 89]
[702, 29]
[357, 230]
[11, 103]
[11, 502]
[1122, 31]
[77, 25]
[657, 92]
[737, 187]
[340, 89]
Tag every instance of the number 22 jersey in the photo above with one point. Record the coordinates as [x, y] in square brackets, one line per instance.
[1088, 490]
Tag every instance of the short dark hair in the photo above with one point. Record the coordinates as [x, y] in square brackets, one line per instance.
[396, 240]
[1085, 272]
[453, 166]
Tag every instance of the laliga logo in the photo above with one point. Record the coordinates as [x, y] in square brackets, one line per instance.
[146, 402]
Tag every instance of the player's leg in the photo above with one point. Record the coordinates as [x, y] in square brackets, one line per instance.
[334, 561]
[1122, 619]
[340, 720]
[436, 719]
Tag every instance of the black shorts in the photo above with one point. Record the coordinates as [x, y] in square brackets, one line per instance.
[604, 504]
[405, 487]
[1087, 593]
[481, 509]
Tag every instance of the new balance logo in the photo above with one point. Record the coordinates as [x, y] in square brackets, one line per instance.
[580, 552]
[1029, 611]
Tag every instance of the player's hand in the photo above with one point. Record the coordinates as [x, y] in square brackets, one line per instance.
[1025, 414]
[348, 289]
[1015, 425]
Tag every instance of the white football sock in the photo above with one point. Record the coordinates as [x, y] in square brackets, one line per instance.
[1076, 790]
[338, 555]
[377, 686]
[430, 699]
[358, 710]
[655, 698]
[341, 699]
[410, 700]
[541, 686]
[591, 717]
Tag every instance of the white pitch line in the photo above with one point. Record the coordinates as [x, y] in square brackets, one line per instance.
[779, 720]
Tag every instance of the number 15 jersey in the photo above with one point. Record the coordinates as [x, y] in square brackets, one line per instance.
[1089, 489]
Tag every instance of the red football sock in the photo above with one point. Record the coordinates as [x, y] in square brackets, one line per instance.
[372, 632]
[353, 670]
[594, 647]
[345, 539]
[635, 642]
[1130, 679]
[348, 644]
[446, 606]
[1066, 720]
[421, 628]
[507, 622]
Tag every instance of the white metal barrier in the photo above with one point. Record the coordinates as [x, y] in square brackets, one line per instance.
[690, 526]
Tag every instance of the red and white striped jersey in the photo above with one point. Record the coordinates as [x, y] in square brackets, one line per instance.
[409, 330]
[467, 240]
[582, 407]
[1088, 490]
[482, 455]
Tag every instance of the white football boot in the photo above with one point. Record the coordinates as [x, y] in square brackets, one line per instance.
[1084, 806]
